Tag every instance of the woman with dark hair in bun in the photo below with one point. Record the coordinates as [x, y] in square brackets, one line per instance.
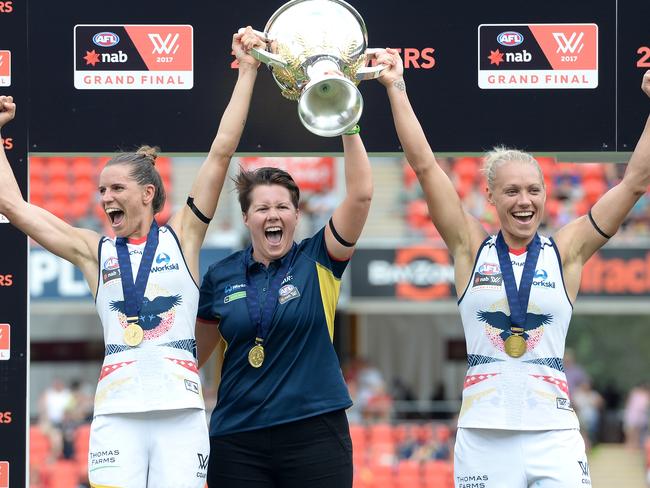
[149, 426]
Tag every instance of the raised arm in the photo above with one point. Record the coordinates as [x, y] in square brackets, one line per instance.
[580, 239]
[350, 216]
[461, 232]
[212, 174]
[79, 246]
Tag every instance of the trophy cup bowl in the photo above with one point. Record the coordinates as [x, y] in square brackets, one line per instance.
[317, 52]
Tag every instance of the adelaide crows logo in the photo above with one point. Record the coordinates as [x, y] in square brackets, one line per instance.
[156, 316]
[499, 325]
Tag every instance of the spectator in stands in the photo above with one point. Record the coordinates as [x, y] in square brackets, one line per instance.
[319, 207]
[515, 402]
[53, 402]
[280, 417]
[575, 374]
[588, 404]
[635, 417]
[148, 409]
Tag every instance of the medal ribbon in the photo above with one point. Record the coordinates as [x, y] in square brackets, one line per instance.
[518, 299]
[134, 292]
[262, 318]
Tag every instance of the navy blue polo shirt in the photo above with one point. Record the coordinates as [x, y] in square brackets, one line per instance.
[301, 376]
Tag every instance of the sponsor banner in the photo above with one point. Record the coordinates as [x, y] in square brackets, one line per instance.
[5, 342]
[411, 273]
[5, 68]
[546, 56]
[133, 57]
[310, 174]
[426, 273]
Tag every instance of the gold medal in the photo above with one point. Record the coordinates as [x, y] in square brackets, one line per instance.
[515, 346]
[133, 335]
[256, 355]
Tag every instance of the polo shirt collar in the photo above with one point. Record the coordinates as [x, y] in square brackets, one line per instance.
[276, 264]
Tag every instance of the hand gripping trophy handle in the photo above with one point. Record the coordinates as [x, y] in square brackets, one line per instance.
[264, 56]
[370, 72]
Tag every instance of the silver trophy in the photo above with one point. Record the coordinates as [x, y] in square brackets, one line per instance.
[317, 52]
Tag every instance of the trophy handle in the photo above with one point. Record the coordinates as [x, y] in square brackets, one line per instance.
[370, 72]
[264, 56]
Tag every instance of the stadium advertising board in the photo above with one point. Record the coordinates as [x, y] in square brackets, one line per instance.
[543, 77]
[422, 273]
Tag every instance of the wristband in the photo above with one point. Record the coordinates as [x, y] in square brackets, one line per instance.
[355, 130]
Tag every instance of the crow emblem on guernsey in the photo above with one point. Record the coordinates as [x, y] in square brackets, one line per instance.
[151, 310]
[501, 321]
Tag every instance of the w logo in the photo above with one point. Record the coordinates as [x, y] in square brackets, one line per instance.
[203, 461]
[584, 467]
[168, 45]
[569, 45]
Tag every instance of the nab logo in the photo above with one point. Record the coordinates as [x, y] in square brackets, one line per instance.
[571, 45]
[6, 7]
[106, 39]
[164, 46]
[5, 417]
[510, 38]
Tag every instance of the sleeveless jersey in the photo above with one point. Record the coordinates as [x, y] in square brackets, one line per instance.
[529, 392]
[161, 372]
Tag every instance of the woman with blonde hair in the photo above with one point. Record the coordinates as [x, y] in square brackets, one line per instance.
[516, 290]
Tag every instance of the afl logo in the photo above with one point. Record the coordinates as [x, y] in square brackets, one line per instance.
[111, 263]
[488, 269]
[510, 38]
[106, 39]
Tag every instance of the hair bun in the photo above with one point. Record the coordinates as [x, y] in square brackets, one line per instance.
[151, 153]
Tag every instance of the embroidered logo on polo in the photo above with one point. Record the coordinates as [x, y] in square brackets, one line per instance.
[234, 292]
[497, 324]
[156, 315]
[286, 293]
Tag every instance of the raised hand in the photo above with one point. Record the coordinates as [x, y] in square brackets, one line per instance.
[242, 42]
[7, 109]
[645, 84]
[395, 70]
